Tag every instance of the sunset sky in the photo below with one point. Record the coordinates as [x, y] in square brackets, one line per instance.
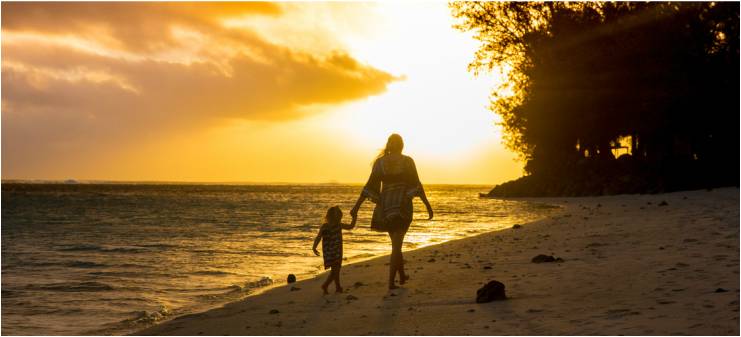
[242, 92]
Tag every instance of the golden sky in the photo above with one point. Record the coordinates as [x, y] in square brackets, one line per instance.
[242, 92]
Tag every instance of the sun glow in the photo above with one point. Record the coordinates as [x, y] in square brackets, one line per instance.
[437, 106]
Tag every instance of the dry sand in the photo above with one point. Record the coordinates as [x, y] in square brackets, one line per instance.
[631, 266]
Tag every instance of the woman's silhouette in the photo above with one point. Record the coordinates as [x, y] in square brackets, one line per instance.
[392, 185]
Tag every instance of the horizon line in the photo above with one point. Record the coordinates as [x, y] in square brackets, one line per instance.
[185, 182]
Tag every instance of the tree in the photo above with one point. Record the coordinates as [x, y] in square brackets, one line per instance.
[584, 75]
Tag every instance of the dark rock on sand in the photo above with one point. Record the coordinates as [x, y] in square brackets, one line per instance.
[721, 290]
[294, 288]
[291, 278]
[663, 203]
[516, 226]
[274, 311]
[546, 258]
[358, 284]
[492, 291]
[351, 298]
[431, 260]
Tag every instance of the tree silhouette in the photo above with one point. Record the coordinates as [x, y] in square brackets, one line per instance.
[584, 76]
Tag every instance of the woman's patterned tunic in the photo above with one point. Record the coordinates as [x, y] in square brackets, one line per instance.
[392, 185]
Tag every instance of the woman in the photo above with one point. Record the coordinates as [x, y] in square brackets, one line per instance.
[392, 185]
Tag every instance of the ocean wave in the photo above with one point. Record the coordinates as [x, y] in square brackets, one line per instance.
[71, 286]
[243, 252]
[135, 274]
[84, 264]
[89, 247]
[162, 246]
[235, 289]
[82, 247]
[128, 249]
[6, 293]
[148, 317]
[365, 240]
[212, 273]
[263, 282]
[70, 264]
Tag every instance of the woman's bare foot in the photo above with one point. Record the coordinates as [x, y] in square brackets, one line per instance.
[324, 288]
[393, 286]
[338, 290]
[403, 279]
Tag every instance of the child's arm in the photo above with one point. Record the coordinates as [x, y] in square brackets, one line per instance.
[316, 242]
[351, 225]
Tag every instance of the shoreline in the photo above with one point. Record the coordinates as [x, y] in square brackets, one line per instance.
[633, 264]
[348, 262]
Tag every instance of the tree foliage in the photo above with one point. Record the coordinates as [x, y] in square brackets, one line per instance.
[582, 76]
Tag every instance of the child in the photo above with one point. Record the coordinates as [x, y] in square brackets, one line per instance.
[331, 236]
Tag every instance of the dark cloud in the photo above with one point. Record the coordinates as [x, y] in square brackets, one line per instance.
[60, 100]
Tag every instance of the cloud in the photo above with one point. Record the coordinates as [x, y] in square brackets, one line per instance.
[87, 77]
[134, 25]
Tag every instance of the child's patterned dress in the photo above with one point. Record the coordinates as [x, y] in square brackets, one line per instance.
[331, 244]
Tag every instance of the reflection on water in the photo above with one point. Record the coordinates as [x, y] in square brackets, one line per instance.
[80, 259]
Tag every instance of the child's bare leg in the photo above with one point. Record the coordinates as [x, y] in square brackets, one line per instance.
[329, 280]
[336, 272]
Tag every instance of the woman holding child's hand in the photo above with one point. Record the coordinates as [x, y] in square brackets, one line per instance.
[392, 185]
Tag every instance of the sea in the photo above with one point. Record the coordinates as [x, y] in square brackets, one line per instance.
[92, 258]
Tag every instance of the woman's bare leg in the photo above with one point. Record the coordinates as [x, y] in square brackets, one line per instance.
[397, 260]
[397, 243]
[393, 264]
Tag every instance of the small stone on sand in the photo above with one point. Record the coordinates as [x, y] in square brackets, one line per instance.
[541, 258]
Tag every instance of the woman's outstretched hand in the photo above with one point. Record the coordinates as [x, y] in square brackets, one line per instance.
[429, 210]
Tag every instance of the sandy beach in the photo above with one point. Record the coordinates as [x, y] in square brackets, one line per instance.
[665, 264]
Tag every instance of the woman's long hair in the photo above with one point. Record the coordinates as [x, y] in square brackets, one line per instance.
[393, 145]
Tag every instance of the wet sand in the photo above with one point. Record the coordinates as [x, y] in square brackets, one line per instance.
[664, 264]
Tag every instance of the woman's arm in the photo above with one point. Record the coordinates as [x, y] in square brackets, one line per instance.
[351, 225]
[420, 189]
[356, 208]
[423, 196]
[372, 189]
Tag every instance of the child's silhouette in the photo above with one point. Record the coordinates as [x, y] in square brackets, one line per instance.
[330, 234]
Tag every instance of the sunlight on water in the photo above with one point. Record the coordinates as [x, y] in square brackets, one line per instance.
[79, 259]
